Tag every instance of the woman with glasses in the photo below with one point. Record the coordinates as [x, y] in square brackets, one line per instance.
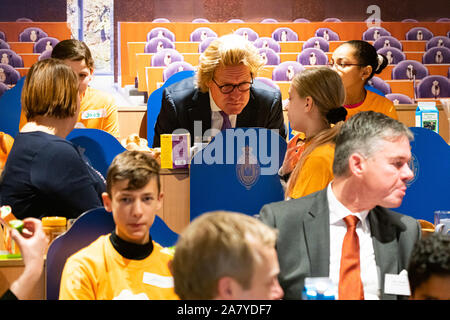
[356, 62]
[315, 108]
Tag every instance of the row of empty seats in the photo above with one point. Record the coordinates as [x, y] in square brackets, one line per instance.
[271, 20]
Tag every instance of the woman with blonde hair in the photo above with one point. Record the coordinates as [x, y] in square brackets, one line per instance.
[315, 108]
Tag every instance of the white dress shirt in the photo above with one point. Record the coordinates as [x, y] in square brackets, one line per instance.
[338, 229]
[216, 117]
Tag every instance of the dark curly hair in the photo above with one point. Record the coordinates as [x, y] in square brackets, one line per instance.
[430, 256]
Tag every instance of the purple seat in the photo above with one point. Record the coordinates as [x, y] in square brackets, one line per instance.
[398, 98]
[200, 34]
[286, 71]
[419, 33]
[387, 41]
[327, 34]
[436, 55]
[235, 21]
[443, 20]
[405, 69]
[32, 34]
[165, 57]
[266, 42]
[45, 55]
[24, 19]
[312, 57]
[409, 20]
[161, 20]
[4, 44]
[8, 75]
[160, 32]
[373, 33]
[157, 44]
[317, 43]
[205, 44]
[3, 88]
[332, 20]
[269, 20]
[2, 36]
[268, 81]
[301, 20]
[248, 33]
[200, 20]
[269, 56]
[175, 67]
[380, 84]
[433, 87]
[438, 41]
[46, 43]
[8, 56]
[393, 55]
[284, 34]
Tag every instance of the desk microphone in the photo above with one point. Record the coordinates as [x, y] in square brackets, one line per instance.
[414, 73]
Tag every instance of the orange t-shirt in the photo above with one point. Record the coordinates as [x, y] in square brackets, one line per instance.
[6, 142]
[374, 102]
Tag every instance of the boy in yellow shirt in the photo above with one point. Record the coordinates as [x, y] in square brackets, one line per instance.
[125, 264]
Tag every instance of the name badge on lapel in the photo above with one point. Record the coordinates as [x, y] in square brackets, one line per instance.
[397, 284]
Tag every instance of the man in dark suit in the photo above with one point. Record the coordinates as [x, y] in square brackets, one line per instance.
[222, 95]
[370, 175]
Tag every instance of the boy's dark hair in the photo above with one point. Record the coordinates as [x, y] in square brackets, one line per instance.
[135, 166]
[74, 50]
[430, 256]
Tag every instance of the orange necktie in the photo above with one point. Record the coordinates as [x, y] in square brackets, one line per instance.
[350, 284]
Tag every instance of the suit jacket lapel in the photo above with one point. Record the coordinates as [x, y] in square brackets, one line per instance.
[200, 110]
[317, 233]
[385, 246]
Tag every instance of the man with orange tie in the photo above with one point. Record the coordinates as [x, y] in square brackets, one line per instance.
[346, 231]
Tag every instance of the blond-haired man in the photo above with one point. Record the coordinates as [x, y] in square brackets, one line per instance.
[224, 94]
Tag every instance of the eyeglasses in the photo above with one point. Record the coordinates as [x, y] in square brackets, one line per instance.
[228, 88]
[342, 65]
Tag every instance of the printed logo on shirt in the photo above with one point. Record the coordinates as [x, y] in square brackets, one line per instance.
[157, 280]
[128, 295]
[93, 114]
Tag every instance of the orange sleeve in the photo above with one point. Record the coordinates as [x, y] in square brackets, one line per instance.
[6, 142]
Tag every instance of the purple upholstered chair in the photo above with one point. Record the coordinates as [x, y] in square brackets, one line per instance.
[248, 33]
[3, 88]
[2, 36]
[24, 19]
[405, 69]
[8, 56]
[393, 55]
[175, 67]
[268, 81]
[443, 20]
[45, 55]
[399, 98]
[409, 20]
[317, 43]
[165, 57]
[158, 44]
[301, 20]
[286, 71]
[160, 32]
[32, 34]
[266, 42]
[387, 41]
[380, 84]
[438, 41]
[332, 20]
[284, 34]
[373, 33]
[327, 34]
[200, 34]
[436, 55]
[269, 20]
[235, 21]
[419, 33]
[46, 43]
[312, 57]
[205, 44]
[200, 20]
[4, 44]
[161, 20]
[269, 56]
[434, 87]
[8, 75]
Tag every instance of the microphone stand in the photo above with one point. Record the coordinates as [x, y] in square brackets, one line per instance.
[414, 72]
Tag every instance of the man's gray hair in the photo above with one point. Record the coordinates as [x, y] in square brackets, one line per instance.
[364, 133]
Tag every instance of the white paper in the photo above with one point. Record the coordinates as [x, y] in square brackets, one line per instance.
[397, 284]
